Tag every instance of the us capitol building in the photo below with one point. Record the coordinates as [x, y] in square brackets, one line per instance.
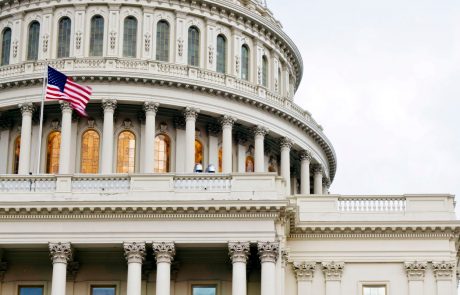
[195, 172]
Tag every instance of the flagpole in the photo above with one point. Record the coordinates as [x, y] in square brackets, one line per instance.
[40, 131]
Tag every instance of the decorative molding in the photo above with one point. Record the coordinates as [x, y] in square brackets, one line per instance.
[60, 252]
[91, 123]
[318, 169]
[286, 143]
[180, 46]
[113, 39]
[27, 108]
[227, 121]
[239, 251]
[164, 252]
[127, 124]
[268, 251]
[304, 271]
[211, 54]
[237, 63]
[147, 41]
[260, 130]
[78, 39]
[55, 125]
[444, 270]
[305, 155]
[45, 41]
[109, 105]
[150, 106]
[326, 182]
[333, 270]
[191, 113]
[134, 252]
[15, 48]
[415, 270]
[65, 106]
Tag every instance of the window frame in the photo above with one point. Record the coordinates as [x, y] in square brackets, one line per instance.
[118, 147]
[224, 63]
[365, 284]
[81, 149]
[245, 63]
[5, 60]
[167, 52]
[92, 286]
[133, 44]
[47, 155]
[68, 38]
[216, 284]
[101, 40]
[190, 58]
[265, 71]
[20, 285]
[29, 42]
[16, 148]
[168, 154]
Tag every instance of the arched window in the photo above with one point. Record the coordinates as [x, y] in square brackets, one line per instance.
[90, 142]
[198, 152]
[126, 156]
[34, 38]
[96, 37]
[162, 153]
[249, 164]
[130, 37]
[220, 160]
[163, 40]
[245, 62]
[221, 54]
[193, 46]
[17, 151]
[6, 46]
[53, 149]
[280, 80]
[264, 71]
[64, 37]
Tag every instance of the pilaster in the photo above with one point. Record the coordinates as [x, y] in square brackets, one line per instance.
[333, 275]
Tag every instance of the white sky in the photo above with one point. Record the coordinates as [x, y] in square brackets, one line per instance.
[383, 78]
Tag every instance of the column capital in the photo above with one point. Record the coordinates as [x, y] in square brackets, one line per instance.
[415, 270]
[286, 143]
[239, 251]
[109, 105]
[443, 271]
[305, 155]
[227, 121]
[318, 169]
[304, 271]
[60, 252]
[164, 252]
[26, 108]
[260, 130]
[326, 182]
[191, 113]
[268, 251]
[333, 270]
[134, 252]
[151, 107]
[66, 107]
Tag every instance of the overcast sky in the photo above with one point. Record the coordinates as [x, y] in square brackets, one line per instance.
[383, 78]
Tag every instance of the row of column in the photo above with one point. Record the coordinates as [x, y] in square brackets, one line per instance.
[191, 114]
[61, 254]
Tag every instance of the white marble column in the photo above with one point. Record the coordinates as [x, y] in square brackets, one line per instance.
[444, 275]
[241, 152]
[239, 253]
[66, 138]
[286, 145]
[190, 114]
[213, 145]
[164, 255]
[259, 158]
[227, 143]
[135, 255]
[318, 180]
[151, 109]
[268, 254]
[333, 277]
[4, 148]
[60, 253]
[304, 272]
[27, 110]
[305, 160]
[109, 106]
[416, 276]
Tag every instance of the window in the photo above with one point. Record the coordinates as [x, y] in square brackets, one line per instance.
[220, 160]
[90, 142]
[280, 80]
[264, 71]
[204, 290]
[126, 156]
[52, 152]
[6, 46]
[193, 46]
[245, 62]
[64, 37]
[162, 153]
[221, 54]
[163, 41]
[249, 164]
[34, 37]
[374, 290]
[31, 290]
[103, 290]
[96, 38]
[17, 151]
[198, 152]
[130, 37]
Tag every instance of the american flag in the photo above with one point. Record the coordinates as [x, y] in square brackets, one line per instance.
[61, 87]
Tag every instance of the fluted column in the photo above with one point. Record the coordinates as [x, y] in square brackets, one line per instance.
[191, 114]
[259, 137]
[333, 277]
[135, 255]
[164, 254]
[286, 145]
[151, 109]
[416, 276]
[227, 143]
[444, 275]
[109, 106]
[239, 252]
[304, 272]
[268, 254]
[305, 160]
[60, 253]
[66, 137]
[27, 110]
[318, 180]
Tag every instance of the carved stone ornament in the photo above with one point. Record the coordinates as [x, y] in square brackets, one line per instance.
[227, 121]
[443, 270]
[15, 48]
[415, 270]
[113, 39]
[180, 46]
[164, 252]
[147, 41]
[326, 182]
[239, 251]
[268, 251]
[65, 106]
[27, 108]
[55, 125]
[318, 169]
[211, 54]
[91, 123]
[191, 113]
[304, 271]
[60, 252]
[260, 131]
[333, 270]
[276, 85]
[163, 127]
[109, 105]
[286, 143]
[305, 156]
[237, 63]
[45, 41]
[78, 39]
[134, 252]
[259, 74]
[150, 106]
[127, 124]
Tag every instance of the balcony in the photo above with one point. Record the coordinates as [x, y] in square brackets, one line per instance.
[142, 187]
